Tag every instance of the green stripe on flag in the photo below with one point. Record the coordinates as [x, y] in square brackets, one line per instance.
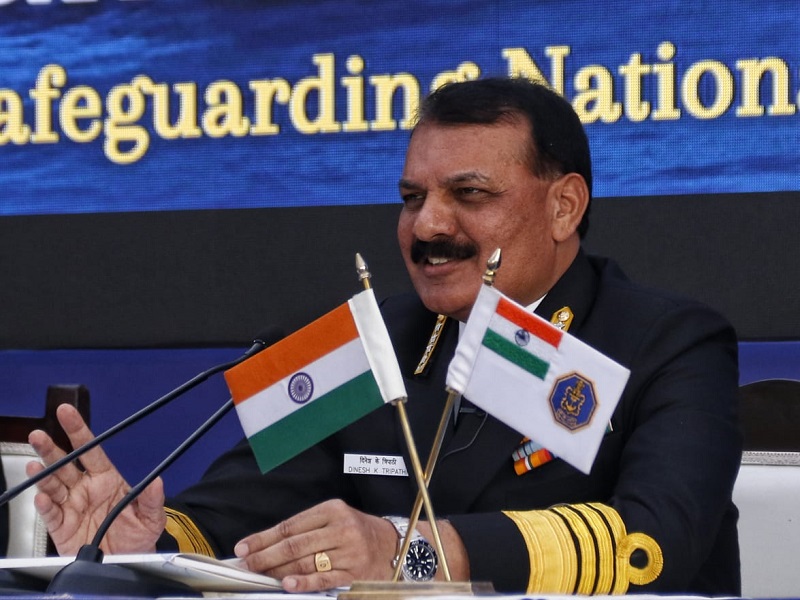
[314, 422]
[511, 352]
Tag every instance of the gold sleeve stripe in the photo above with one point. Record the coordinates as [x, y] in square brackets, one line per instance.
[546, 537]
[580, 548]
[570, 565]
[606, 545]
[584, 535]
[583, 549]
[188, 536]
[627, 544]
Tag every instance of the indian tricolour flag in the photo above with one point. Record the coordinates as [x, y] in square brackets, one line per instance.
[316, 381]
[543, 382]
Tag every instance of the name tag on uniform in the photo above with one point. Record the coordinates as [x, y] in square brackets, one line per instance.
[375, 464]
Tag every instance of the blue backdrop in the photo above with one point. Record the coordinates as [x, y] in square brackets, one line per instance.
[119, 105]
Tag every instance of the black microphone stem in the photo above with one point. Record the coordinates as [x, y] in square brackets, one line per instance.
[263, 340]
[134, 492]
[140, 414]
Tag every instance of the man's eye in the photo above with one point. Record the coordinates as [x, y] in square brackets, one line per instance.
[469, 191]
[412, 199]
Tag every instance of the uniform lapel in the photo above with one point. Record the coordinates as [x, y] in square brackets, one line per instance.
[576, 290]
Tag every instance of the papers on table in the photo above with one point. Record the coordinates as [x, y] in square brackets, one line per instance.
[201, 573]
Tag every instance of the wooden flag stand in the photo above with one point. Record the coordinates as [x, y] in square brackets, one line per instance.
[395, 589]
[402, 590]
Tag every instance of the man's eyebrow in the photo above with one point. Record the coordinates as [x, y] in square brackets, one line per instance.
[467, 176]
[406, 183]
[457, 178]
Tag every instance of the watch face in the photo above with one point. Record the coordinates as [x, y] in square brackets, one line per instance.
[421, 562]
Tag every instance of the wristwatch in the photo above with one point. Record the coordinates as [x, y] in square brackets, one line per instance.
[421, 561]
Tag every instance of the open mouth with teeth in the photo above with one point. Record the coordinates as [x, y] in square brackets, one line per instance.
[433, 260]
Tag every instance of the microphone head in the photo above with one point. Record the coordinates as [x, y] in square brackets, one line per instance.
[265, 338]
[269, 336]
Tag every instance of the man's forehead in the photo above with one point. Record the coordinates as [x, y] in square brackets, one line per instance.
[458, 177]
[464, 153]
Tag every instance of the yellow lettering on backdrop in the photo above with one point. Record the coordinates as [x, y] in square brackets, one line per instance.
[634, 90]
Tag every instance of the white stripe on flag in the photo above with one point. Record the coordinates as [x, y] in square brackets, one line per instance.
[535, 345]
[377, 345]
[460, 369]
[327, 373]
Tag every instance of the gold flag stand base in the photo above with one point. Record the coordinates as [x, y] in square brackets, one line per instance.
[396, 590]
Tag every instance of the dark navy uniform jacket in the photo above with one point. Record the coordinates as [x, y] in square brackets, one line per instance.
[667, 466]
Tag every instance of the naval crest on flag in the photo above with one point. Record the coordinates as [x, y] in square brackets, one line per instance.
[573, 401]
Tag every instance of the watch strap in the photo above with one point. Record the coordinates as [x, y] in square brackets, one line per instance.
[401, 527]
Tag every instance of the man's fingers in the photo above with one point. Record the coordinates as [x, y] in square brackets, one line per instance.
[316, 581]
[45, 447]
[303, 575]
[310, 520]
[150, 503]
[53, 486]
[50, 453]
[297, 556]
[95, 460]
[49, 511]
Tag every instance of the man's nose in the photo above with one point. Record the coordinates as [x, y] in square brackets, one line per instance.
[437, 217]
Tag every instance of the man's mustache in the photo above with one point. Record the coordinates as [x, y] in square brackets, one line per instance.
[444, 248]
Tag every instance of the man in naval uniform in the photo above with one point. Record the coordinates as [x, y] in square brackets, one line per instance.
[495, 163]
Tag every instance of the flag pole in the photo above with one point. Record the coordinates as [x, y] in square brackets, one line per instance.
[397, 590]
[492, 264]
[422, 480]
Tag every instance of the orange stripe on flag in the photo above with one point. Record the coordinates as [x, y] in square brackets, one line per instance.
[291, 354]
[530, 322]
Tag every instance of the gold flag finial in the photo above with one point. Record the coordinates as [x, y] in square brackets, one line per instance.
[362, 269]
[491, 268]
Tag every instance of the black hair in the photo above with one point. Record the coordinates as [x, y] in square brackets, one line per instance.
[559, 141]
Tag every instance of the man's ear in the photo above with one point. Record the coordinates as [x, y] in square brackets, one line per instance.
[570, 197]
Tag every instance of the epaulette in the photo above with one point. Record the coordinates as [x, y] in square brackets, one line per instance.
[430, 348]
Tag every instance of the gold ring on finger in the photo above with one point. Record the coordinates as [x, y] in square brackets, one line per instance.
[322, 562]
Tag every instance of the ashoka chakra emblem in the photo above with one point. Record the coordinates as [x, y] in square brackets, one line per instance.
[522, 337]
[301, 387]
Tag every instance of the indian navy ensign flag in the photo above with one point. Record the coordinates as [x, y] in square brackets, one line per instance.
[316, 381]
[543, 382]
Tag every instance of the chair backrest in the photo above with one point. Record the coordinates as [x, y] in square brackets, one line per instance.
[767, 490]
[27, 534]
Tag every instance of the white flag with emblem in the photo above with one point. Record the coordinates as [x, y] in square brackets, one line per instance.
[543, 382]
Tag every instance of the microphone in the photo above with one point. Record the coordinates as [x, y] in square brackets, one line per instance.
[462, 406]
[87, 574]
[265, 338]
